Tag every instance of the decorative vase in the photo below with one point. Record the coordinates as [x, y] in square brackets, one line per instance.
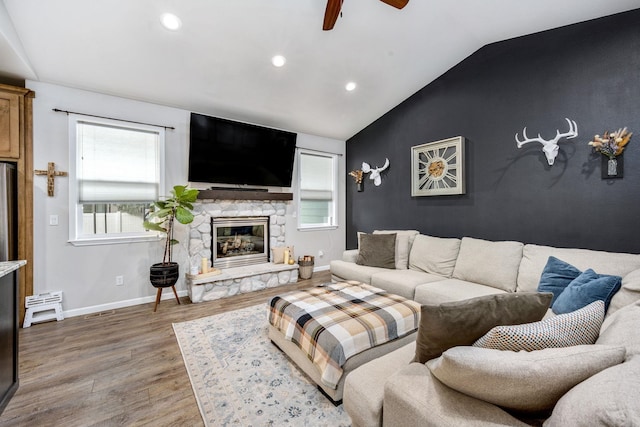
[164, 275]
[612, 167]
[359, 186]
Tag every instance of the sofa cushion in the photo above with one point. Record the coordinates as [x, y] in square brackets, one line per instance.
[628, 294]
[463, 322]
[580, 327]
[609, 398]
[434, 255]
[449, 290]
[585, 289]
[524, 381]
[534, 259]
[623, 328]
[489, 263]
[377, 250]
[414, 397]
[556, 276]
[402, 282]
[404, 240]
[364, 386]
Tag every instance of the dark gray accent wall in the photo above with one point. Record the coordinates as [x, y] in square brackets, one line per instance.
[588, 72]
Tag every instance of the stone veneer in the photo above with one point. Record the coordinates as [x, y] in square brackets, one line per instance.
[236, 280]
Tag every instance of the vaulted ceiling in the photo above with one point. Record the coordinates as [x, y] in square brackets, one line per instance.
[219, 61]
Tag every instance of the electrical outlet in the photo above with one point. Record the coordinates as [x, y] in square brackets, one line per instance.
[119, 280]
[53, 219]
[320, 253]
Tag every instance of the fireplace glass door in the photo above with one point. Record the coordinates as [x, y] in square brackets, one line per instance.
[239, 241]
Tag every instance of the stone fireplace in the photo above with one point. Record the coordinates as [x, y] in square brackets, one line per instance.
[236, 222]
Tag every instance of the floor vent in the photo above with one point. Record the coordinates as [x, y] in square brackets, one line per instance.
[100, 314]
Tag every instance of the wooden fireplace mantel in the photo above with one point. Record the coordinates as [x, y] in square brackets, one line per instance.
[242, 195]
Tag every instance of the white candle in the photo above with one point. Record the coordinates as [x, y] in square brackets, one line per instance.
[205, 265]
[286, 256]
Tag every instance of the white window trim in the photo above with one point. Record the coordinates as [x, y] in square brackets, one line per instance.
[75, 209]
[334, 191]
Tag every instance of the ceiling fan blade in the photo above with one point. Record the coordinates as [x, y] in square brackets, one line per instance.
[331, 14]
[398, 4]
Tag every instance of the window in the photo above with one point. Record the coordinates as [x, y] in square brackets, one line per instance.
[317, 195]
[115, 173]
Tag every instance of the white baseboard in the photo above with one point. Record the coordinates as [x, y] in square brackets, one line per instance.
[136, 301]
[120, 304]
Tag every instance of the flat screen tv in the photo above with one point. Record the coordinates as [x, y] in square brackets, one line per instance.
[224, 151]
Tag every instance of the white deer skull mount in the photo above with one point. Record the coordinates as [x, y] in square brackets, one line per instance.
[550, 147]
[375, 172]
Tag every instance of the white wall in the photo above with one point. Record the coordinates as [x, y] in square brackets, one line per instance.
[86, 274]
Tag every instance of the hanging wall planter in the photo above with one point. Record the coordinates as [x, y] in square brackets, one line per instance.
[357, 176]
[611, 145]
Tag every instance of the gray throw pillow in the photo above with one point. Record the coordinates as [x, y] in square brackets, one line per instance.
[457, 323]
[377, 250]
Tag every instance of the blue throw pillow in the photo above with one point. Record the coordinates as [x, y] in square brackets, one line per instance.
[585, 289]
[556, 276]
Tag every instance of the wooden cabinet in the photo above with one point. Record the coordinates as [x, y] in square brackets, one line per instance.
[9, 123]
[16, 146]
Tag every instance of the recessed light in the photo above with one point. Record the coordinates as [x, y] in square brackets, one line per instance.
[278, 60]
[350, 86]
[170, 21]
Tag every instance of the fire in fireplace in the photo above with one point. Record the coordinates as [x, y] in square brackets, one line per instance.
[239, 241]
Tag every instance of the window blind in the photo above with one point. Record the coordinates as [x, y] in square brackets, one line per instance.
[117, 164]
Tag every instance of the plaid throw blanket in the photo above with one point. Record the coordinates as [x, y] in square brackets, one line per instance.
[335, 321]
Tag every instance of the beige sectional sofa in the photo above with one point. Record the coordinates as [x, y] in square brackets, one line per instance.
[392, 390]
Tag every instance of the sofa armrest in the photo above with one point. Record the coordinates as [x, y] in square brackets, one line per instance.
[350, 255]
[414, 397]
[364, 386]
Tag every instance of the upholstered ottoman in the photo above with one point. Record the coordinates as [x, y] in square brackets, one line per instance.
[330, 330]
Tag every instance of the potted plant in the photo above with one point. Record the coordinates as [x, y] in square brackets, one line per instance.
[163, 214]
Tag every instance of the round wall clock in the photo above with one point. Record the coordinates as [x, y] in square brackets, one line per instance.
[437, 168]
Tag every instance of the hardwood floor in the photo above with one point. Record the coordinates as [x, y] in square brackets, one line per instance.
[121, 367]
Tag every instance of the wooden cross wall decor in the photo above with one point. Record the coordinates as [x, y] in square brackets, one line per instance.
[51, 173]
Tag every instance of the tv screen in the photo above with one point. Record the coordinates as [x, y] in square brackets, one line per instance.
[229, 152]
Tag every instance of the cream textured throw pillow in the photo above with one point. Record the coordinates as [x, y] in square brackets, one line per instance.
[278, 253]
[524, 381]
[578, 327]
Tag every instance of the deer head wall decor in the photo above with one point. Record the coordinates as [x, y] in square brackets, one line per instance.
[375, 172]
[550, 147]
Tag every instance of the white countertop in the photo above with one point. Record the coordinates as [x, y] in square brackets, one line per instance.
[7, 267]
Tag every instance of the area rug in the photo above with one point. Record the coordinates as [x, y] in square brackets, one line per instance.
[240, 378]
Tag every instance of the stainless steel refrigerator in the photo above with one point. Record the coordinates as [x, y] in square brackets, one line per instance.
[8, 212]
